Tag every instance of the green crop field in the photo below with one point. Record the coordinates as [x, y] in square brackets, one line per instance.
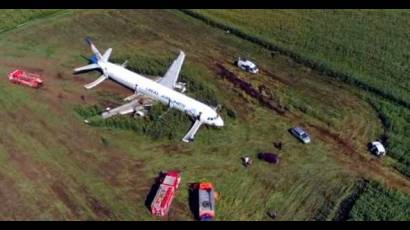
[367, 46]
[57, 167]
[378, 203]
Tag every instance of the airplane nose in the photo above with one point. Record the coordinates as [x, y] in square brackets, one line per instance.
[219, 122]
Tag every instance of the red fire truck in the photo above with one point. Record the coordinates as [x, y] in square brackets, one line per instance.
[22, 77]
[169, 184]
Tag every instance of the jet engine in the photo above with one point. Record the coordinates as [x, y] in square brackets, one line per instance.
[180, 86]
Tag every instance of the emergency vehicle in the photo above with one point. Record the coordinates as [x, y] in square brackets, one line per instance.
[162, 201]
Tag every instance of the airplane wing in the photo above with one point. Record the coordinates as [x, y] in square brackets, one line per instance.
[135, 105]
[189, 137]
[133, 96]
[171, 76]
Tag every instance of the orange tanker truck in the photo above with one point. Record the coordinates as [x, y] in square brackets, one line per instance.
[206, 198]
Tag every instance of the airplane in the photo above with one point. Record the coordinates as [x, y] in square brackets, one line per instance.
[147, 91]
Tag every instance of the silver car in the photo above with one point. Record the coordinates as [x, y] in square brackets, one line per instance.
[300, 134]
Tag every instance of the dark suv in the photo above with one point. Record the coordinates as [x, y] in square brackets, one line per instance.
[269, 157]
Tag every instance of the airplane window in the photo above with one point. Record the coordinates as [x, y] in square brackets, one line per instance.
[213, 118]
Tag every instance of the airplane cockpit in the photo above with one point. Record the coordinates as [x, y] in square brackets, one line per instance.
[212, 118]
[217, 120]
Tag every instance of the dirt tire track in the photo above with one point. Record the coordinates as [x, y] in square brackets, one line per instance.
[98, 208]
[361, 166]
[12, 207]
[61, 191]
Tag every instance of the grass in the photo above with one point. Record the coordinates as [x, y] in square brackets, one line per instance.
[10, 19]
[367, 50]
[372, 39]
[86, 172]
[396, 121]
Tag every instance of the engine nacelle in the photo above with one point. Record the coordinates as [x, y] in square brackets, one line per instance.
[180, 86]
[139, 113]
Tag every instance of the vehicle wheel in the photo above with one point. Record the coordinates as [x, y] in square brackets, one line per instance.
[206, 204]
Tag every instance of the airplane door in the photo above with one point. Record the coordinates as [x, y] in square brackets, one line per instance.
[177, 105]
[191, 112]
[172, 104]
[166, 101]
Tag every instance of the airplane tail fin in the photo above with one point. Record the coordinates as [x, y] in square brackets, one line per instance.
[95, 64]
[93, 48]
[96, 52]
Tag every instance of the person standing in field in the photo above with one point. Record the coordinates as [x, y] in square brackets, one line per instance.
[247, 161]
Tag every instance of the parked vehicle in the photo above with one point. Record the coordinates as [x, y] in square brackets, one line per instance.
[269, 157]
[165, 194]
[377, 148]
[301, 134]
[247, 65]
[206, 197]
[22, 77]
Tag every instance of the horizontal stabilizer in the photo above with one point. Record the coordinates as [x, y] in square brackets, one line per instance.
[87, 67]
[96, 82]
[106, 55]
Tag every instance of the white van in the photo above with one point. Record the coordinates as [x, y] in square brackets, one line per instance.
[377, 148]
[247, 65]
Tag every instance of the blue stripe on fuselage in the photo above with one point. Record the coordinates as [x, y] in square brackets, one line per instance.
[93, 59]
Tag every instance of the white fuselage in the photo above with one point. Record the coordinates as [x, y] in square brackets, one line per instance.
[162, 93]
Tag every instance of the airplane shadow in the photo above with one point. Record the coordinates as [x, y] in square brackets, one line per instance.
[86, 58]
[152, 192]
